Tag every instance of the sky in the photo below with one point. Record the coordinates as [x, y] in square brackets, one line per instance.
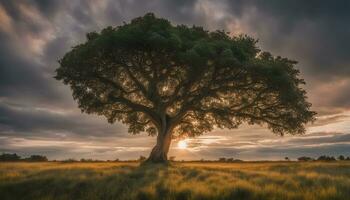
[39, 116]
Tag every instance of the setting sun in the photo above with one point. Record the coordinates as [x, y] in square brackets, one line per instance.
[182, 144]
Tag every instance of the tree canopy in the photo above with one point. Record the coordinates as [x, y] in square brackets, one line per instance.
[158, 77]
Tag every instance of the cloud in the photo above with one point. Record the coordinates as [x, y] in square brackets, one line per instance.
[313, 32]
[40, 121]
[314, 145]
[74, 148]
[20, 77]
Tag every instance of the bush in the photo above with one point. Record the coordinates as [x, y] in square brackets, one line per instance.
[86, 160]
[326, 158]
[341, 157]
[229, 160]
[305, 158]
[37, 158]
[142, 158]
[9, 157]
[70, 160]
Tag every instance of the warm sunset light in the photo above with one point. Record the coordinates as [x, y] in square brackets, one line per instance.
[182, 144]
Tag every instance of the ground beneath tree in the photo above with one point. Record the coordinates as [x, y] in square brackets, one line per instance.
[264, 180]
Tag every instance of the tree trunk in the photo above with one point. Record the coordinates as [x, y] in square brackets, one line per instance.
[159, 153]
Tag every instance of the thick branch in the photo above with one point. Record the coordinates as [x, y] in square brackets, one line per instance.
[138, 108]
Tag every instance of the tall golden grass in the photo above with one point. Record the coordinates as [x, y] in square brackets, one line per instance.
[195, 180]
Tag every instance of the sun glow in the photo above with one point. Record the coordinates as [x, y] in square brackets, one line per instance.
[182, 144]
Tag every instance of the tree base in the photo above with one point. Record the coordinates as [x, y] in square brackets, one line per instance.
[153, 163]
[159, 153]
[152, 159]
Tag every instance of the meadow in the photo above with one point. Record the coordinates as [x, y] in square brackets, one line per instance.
[187, 180]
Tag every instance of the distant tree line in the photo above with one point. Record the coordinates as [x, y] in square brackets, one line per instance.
[229, 160]
[323, 158]
[69, 160]
[9, 157]
[5, 157]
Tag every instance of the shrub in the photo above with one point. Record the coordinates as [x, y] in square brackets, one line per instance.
[9, 157]
[305, 158]
[86, 160]
[37, 158]
[142, 158]
[69, 160]
[326, 158]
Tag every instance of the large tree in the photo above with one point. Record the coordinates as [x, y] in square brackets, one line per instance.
[178, 81]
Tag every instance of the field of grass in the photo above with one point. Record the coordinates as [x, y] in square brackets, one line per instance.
[265, 180]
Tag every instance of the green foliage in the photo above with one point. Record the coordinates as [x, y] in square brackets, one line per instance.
[149, 74]
[9, 157]
[326, 158]
[36, 158]
[142, 158]
[305, 158]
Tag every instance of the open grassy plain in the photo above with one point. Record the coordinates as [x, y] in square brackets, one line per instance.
[122, 180]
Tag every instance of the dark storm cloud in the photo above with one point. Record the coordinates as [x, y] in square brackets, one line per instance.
[21, 77]
[344, 98]
[178, 11]
[16, 10]
[48, 7]
[318, 30]
[27, 121]
[315, 33]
